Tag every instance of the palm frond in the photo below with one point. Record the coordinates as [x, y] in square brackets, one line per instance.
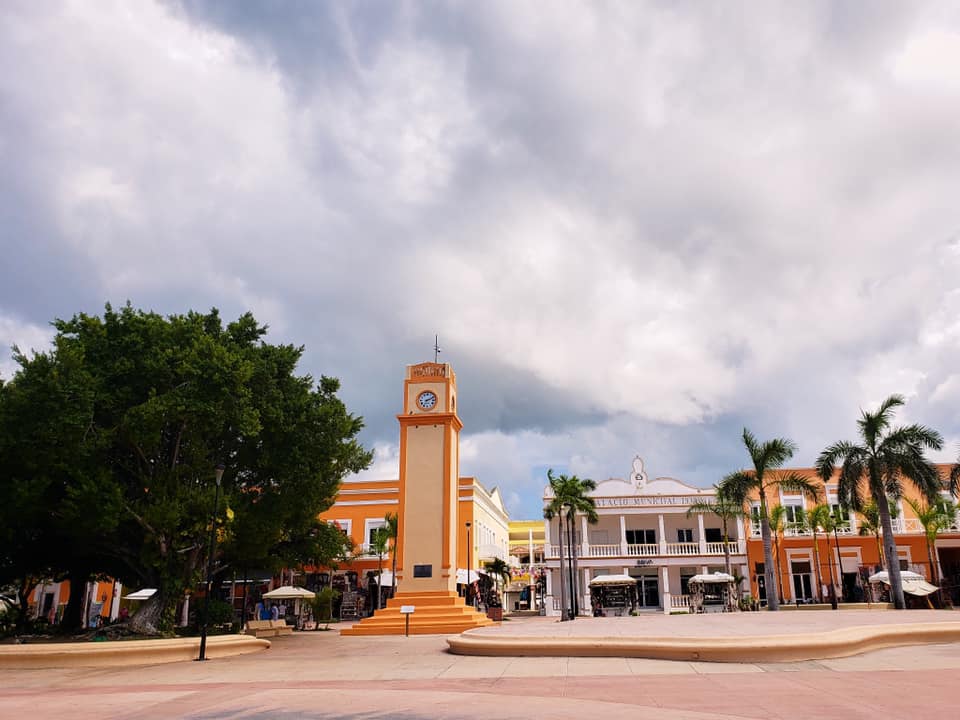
[795, 482]
[738, 484]
[955, 480]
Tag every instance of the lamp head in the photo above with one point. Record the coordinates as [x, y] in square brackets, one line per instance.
[219, 471]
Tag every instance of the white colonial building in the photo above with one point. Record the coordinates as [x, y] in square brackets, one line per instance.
[644, 532]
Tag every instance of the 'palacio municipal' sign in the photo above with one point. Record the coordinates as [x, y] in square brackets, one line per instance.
[642, 500]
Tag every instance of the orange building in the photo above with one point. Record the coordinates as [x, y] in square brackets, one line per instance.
[48, 601]
[850, 554]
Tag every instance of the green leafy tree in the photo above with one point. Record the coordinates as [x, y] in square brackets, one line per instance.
[883, 459]
[766, 457]
[728, 510]
[158, 402]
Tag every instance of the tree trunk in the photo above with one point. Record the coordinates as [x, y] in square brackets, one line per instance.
[147, 620]
[572, 566]
[890, 551]
[773, 602]
[73, 620]
[380, 582]
[393, 561]
[816, 560]
[26, 586]
[563, 580]
[726, 548]
[575, 565]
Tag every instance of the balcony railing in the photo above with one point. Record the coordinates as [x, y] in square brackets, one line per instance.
[647, 550]
[603, 550]
[685, 549]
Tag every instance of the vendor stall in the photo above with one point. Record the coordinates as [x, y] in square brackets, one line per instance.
[297, 594]
[913, 584]
[716, 592]
[613, 595]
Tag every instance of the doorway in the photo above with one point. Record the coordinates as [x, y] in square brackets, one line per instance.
[648, 592]
[802, 581]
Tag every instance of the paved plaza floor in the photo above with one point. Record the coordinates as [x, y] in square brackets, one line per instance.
[323, 675]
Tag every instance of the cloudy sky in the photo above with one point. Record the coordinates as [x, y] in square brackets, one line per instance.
[636, 227]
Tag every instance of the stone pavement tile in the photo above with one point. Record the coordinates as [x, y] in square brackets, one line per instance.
[712, 668]
[521, 667]
[644, 666]
[590, 666]
[480, 668]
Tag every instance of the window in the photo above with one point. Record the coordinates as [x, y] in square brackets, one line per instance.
[685, 535]
[641, 537]
[370, 527]
[685, 583]
[793, 514]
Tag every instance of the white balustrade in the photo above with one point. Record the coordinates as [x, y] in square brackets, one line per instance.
[684, 548]
[604, 550]
[643, 550]
[716, 548]
[680, 601]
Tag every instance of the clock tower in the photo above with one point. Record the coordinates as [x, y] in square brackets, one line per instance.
[429, 497]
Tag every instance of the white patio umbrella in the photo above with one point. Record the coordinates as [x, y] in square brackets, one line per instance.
[144, 594]
[288, 592]
[601, 580]
[913, 583]
[474, 576]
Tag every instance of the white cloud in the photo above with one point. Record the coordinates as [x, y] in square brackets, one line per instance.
[29, 338]
[674, 219]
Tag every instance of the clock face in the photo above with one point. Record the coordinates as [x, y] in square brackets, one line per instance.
[427, 400]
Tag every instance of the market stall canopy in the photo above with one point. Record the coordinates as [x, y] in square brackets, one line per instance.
[913, 583]
[144, 594]
[474, 576]
[612, 580]
[386, 579]
[717, 577]
[288, 592]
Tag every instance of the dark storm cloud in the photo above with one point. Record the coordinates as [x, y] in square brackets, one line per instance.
[636, 227]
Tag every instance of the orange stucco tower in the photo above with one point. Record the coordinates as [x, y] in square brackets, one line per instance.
[429, 479]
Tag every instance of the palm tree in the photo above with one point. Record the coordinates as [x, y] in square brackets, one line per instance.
[379, 542]
[778, 517]
[881, 461]
[766, 457]
[393, 533]
[821, 519]
[870, 522]
[728, 510]
[933, 518]
[570, 497]
[554, 510]
[499, 570]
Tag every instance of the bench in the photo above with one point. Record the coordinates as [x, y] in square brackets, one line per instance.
[267, 628]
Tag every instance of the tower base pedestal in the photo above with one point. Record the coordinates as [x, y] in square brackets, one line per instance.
[437, 613]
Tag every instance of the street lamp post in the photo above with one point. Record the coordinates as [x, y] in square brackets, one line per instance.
[469, 560]
[209, 584]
